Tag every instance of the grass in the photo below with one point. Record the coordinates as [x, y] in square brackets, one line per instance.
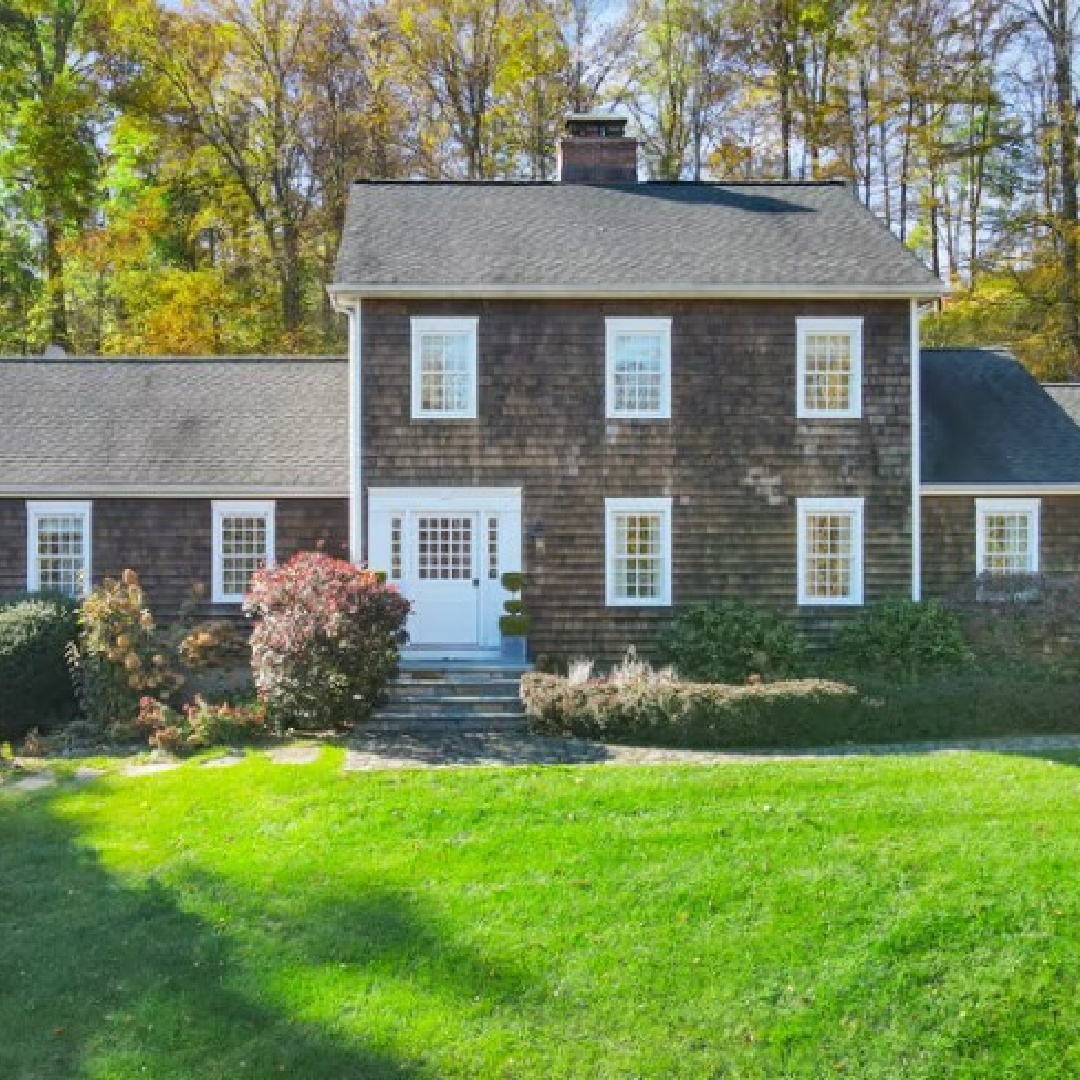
[870, 918]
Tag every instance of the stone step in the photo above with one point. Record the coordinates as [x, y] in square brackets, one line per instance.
[482, 719]
[441, 726]
[430, 677]
[503, 691]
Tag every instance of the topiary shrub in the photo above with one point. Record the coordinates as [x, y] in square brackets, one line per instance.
[730, 640]
[35, 687]
[902, 640]
[326, 640]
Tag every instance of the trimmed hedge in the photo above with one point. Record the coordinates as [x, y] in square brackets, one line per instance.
[803, 712]
[35, 685]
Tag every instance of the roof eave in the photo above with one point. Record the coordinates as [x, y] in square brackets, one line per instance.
[751, 291]
[1034, 488]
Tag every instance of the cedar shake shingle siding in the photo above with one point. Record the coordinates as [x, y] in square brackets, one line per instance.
[948, 531]
[733, 457]
[168, 542]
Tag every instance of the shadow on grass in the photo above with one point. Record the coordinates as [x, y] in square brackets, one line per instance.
[99, 977]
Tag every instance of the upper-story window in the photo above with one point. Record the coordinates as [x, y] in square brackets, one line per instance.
[830, 551]
[243, 543]
[58, 547]
[1006, 536]
[639, 369]
[830, 368]
[444, 368]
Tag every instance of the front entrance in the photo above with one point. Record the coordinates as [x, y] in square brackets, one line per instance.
[447, 548]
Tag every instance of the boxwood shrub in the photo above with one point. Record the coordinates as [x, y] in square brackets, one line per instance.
[35, 686]
[730, 640]
[805, 712]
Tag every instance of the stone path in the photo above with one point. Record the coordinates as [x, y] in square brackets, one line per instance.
[371, 750]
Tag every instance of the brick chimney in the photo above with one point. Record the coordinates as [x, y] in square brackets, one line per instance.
[595, 149]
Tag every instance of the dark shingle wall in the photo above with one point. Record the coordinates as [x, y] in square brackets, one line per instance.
[734, 457]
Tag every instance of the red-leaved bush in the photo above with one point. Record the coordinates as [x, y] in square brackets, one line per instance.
[326, 639]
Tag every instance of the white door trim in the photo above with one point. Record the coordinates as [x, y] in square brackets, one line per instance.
[404, 503]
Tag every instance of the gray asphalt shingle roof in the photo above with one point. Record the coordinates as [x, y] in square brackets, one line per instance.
[801, 237]
[1067, 395]
[986, 420]
[215, 425]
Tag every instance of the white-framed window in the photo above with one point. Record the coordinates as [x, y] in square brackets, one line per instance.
[58, 545]
[1006, 536]
[638, 552]
[243, 543]
[638, 367]
[830, 368]
[830, 551]
[444, 368]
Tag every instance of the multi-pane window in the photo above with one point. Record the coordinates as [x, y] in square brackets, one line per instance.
[638, 538]
[830, 551]
[243, 543]
[444, 368]
[639, 368]
[493, 548]
[1006, 536]
[830, 368]
[58, 547]
[444, 548]
[397, 549]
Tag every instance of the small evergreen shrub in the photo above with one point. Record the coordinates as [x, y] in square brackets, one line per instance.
[730, 640]
[903, 640]
[35, 688]
[326, 640]
[655, 711]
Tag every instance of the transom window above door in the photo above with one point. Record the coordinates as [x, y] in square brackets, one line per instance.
[243, 543]
[444, 368]
[638, 369]
[830, 368]
[58, 547]
[1006, 536]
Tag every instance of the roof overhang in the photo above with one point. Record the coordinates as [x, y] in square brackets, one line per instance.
[999, 489]
[151, 491]
[355, 290]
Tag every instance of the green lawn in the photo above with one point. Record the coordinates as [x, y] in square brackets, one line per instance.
[870, 918]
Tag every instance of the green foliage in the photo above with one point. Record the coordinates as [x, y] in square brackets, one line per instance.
[730, 640]
[900, 640]
[200, 725]
[666, 712]
[515, 623]
[35, 687]
[971, 702]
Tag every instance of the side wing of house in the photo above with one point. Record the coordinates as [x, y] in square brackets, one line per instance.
[1001, 472]
[191, 472]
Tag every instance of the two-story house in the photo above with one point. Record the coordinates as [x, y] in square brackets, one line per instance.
[641, 394]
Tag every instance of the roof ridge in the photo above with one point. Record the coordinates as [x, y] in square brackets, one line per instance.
[516, 182]
[209, 358]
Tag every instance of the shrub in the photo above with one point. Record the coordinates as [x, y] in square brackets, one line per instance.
[200, 725]
[903, 640]
[661, 712]
[970, 702]
[35, 688]
[326, 639]
[119, 658]
[1022, 618]
[730, 640]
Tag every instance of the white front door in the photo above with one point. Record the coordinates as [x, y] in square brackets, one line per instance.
[445, 581]
[447, 549]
